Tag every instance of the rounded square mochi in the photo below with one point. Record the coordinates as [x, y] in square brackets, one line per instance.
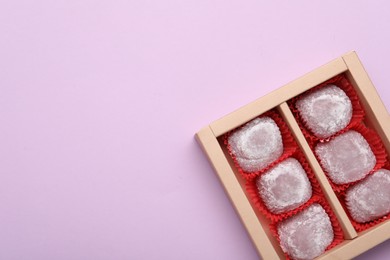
[346, 158]
[307, 234]
[370, 198]
[284, 187]
[257, 144]
[325, 111]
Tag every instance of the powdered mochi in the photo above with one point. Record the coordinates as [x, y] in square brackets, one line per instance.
[285, 186]
[257, 144]
[370, 198]
[326, 110]
[346, 158]
[307, 234]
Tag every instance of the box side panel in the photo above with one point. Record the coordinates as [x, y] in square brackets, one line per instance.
[376, 114]
[365, 241]
[278, 96]
[346, 225]
[262, 241]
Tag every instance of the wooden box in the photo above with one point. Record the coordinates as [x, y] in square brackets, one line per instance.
[210, 138]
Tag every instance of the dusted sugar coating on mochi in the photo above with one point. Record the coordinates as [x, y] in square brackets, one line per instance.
[346, 158]
[285, 186]
[326, 110]
[307, 234]
[257, 144]
[370, 198]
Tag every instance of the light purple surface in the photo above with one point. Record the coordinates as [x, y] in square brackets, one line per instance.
[99, 102]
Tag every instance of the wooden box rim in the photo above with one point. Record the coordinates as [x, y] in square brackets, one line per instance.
[376, 117]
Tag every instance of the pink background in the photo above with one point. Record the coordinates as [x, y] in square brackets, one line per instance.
[99, 102]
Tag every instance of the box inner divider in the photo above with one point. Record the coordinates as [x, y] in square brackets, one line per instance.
[346, 225]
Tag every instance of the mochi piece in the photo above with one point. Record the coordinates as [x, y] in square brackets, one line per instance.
[257, 144]
[346, 158]
[285, 186]
[370, 198]
[326, 110]
[307, 234]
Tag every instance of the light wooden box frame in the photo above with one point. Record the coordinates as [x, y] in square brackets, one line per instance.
[254, 222]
